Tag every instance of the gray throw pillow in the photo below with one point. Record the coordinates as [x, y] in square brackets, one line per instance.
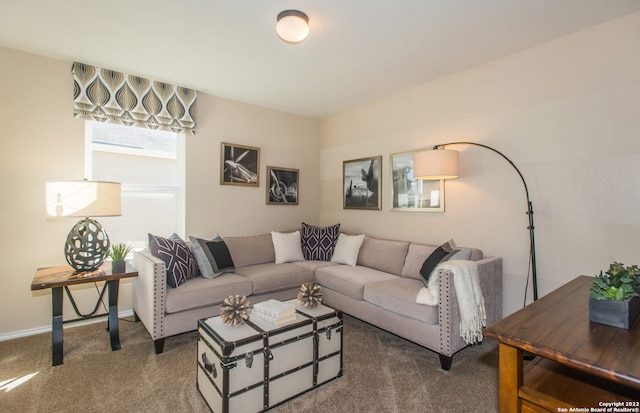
[443, 253]
[212, 255]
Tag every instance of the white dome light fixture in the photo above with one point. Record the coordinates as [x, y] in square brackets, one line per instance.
[292, 26]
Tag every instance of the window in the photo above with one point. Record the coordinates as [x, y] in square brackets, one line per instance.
[150, 166]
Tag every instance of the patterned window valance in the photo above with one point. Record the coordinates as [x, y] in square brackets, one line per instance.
[110, 96]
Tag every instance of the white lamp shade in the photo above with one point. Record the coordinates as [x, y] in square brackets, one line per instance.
[435, 164]
[83, 199]
[292, 26]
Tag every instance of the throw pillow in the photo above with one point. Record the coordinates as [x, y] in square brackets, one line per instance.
[443, 253]
[318, 243]
[462, 254]
[193, 270]
[212, 255]
[178, 259]
[347, 249]
[287, 246]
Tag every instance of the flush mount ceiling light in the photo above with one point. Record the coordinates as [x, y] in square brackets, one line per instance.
[292, 26]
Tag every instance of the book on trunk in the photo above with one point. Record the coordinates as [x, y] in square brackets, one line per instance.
[275, 308]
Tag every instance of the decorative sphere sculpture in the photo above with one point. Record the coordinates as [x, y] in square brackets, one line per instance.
[87, 245]
[234, 311]
[310, 295]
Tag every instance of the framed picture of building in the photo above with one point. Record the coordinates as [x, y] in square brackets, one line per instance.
[282, 188]
[239, 165]
[361, 183]
[409, 194]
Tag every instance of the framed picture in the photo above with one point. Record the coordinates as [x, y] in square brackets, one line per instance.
[361, 183]
[408, 194]
[283, 186]
[239, 165]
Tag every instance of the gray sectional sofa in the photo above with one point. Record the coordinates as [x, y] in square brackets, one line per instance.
[381, 289]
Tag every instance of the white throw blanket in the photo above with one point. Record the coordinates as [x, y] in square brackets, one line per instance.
[470, 300]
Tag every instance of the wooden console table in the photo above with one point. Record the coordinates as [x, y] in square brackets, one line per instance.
[58, 278]
[580, 364]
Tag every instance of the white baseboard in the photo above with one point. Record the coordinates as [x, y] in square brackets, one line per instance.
[47, 329]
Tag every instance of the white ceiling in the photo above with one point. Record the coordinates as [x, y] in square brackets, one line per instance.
[358, 50]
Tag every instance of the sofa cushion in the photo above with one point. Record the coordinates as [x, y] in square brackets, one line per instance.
[203, 292]
[318, 243]
[287, 246]
[315, 264]
[399, 296]
[350, 280]
[271, 277]
[347, 249]
[179, 262]
[416, 254]
[251, 250]
[384, 255]
[213, 256]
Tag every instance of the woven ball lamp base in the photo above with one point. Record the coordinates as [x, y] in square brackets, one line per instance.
[87, 245]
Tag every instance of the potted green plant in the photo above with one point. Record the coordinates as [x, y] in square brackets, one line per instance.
[118, 253]
[615, 296]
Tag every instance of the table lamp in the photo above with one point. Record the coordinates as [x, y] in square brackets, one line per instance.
[87, 244]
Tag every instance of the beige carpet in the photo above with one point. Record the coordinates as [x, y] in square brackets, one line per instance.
[383, 373]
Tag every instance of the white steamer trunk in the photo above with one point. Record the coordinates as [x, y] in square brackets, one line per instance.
[255, 366]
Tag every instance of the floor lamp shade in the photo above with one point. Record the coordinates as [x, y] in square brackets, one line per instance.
[436, 164]
[87, 244]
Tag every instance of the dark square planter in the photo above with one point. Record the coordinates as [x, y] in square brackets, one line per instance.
[619, 314]
[118, 267]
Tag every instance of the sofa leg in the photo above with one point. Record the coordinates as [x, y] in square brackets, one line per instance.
[159, 345]
[135, 317]
[445, 362]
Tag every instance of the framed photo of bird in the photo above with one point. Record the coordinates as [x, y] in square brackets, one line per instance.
[282, 188]
[239, 165]
[362, 183]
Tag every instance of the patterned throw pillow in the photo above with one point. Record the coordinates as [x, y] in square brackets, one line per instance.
[213, 256]
[318, 243]
[179, 262]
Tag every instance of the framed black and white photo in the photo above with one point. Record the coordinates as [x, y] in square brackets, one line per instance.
[361, 183]
[283, 186]
[409, 194]
[239, 165]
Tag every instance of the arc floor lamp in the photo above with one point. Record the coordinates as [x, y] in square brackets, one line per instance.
[441, 163]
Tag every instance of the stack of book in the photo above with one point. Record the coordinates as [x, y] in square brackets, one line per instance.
[274, 311]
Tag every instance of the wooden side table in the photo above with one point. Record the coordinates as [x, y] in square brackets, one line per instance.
[59, 278]
[580, 364]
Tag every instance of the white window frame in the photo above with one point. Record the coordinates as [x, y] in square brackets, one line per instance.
[179, 191]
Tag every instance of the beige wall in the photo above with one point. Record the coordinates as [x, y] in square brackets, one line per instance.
[42, 141]
[284, 140]
[567, 113]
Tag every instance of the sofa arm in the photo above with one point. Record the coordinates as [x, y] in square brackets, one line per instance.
[490, 276]
[149, 292]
